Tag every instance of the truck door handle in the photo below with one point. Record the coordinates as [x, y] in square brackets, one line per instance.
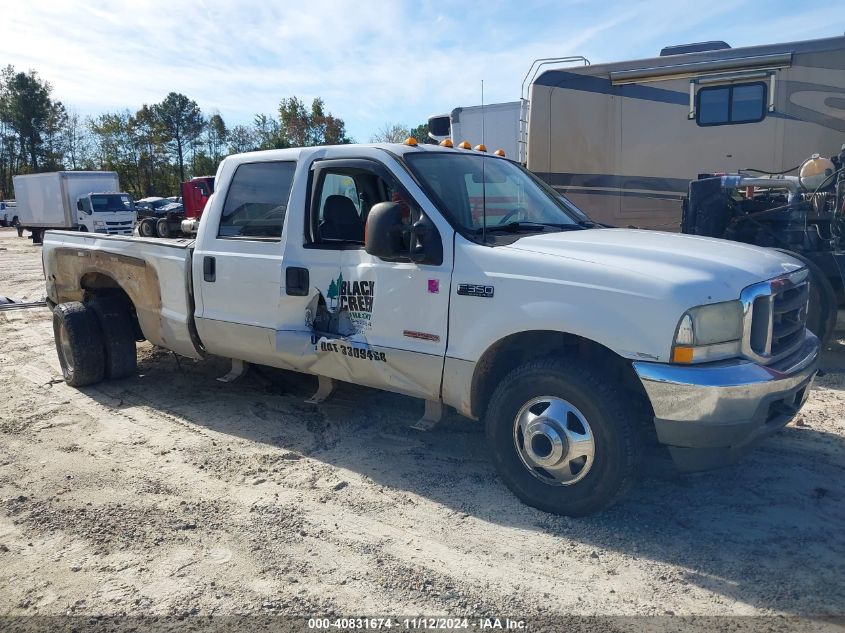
[209, 268]
[297, 281]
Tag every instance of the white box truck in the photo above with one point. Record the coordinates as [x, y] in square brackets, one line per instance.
[88, 201]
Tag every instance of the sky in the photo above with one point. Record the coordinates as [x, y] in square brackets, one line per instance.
[373, 63]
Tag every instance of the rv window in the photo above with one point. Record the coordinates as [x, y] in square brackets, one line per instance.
[726, 105]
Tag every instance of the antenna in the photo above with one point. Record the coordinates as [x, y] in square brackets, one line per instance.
[483, 177]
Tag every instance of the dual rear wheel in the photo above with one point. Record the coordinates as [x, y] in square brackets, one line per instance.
[94, 340]
[150, 227]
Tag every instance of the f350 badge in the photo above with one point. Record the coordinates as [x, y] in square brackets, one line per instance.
[476, 290]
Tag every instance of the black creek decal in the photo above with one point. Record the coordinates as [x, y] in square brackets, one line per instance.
[345, 309]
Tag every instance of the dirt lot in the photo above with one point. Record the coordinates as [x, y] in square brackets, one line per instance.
[172, 493]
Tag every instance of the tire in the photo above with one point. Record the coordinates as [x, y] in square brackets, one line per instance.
[37, 236]
[163, 228]
[595, 410]
[19, 228]
[147, 227]
[822, 307]
[79, 344]
[121, 355]
[82, 229]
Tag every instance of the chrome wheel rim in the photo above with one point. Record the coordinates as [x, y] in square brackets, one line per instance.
[554, 441]
[65, 348]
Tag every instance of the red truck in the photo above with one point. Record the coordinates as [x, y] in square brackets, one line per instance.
[181, 222]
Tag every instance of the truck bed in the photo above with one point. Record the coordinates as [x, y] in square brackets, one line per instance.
[154, 273]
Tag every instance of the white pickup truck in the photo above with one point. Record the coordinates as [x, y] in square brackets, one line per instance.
[459, 278]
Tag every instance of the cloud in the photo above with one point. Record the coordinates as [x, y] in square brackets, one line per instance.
[372, 62]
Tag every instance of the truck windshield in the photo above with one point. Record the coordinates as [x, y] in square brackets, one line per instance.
[110, 203]
[472, 187]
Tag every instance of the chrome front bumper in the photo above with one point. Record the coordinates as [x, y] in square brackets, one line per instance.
[709, 414]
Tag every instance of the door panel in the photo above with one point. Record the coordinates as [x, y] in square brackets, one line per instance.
[375, 323]
[240, 284]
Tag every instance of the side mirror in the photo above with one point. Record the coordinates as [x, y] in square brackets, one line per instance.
[383, 232]
[388, 238]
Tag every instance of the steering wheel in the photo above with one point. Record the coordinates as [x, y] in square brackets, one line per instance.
[512, 213]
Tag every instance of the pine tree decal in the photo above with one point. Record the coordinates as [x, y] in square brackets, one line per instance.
[331, 294]
[339, 288]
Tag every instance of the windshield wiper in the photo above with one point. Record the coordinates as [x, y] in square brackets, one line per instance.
[516, 227]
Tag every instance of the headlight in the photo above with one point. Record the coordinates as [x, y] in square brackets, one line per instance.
[710, 332]
[99, 223]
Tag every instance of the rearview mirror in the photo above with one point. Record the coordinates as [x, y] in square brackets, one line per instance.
[387, 237]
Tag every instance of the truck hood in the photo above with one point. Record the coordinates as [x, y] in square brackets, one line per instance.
[672, 258]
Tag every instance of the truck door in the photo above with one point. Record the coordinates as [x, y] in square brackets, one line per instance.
[237, 265]
[377, 323]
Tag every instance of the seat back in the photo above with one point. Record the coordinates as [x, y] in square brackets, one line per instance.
[341, 220]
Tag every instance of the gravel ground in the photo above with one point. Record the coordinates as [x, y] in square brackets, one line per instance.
[171, 494]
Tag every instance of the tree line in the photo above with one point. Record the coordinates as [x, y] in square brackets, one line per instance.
[152, 149]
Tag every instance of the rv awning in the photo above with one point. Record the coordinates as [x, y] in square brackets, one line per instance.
[778, 60]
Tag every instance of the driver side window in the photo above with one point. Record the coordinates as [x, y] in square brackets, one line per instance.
[257, 201]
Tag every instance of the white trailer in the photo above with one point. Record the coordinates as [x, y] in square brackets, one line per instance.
[496, 125]
[83, 200]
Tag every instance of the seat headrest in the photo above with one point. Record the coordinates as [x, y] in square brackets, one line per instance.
[340, 210]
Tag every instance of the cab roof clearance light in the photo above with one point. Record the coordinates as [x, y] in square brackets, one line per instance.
[411, 141]
[480, 147]
[446, 142]
[499, 152]
[464, 145]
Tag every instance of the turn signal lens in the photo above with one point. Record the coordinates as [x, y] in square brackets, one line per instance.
[446, 142]
[682, 354]
[464, 145]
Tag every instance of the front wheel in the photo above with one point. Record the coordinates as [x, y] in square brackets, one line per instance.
[562, 437]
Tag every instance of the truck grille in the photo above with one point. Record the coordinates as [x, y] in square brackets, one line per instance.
[119, 228]
[775, 317]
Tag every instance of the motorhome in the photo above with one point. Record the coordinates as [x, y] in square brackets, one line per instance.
[623, 140]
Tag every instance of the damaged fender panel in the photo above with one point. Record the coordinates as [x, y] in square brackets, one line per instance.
[353, 359]
[73, 270]
[457, 384]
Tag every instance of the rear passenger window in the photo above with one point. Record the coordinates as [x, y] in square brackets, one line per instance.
[725, 105]
[257, 201]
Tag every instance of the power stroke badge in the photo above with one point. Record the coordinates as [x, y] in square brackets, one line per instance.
[476, 290]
